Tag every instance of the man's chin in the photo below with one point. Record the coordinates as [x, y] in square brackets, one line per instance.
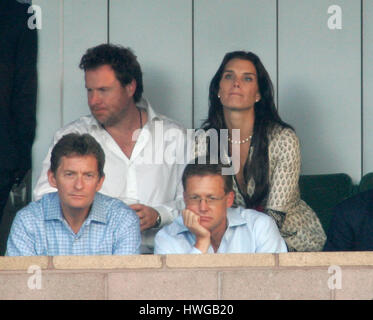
[100, 119]
[206, 223]
[79, 203]
[78, 206]
[106, 122]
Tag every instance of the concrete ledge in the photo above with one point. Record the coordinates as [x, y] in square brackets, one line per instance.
[220, 260]
[313, 259]
[355, 284]
[275, 284]
[196, 277]
[107, 262]
[22, 263]
[53, 285]
[163, 285]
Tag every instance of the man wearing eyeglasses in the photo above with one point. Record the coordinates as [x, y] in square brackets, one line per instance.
[208, 224]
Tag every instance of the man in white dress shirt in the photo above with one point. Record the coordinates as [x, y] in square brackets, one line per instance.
[144, 150]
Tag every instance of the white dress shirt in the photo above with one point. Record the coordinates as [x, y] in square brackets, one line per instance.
[151, 176]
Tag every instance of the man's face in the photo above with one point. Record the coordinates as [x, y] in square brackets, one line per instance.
[107, 99]
[77, 181]
[205, 196]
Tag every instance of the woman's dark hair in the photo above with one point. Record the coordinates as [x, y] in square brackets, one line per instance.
[266, 116]
[75, 144]
[121, 60]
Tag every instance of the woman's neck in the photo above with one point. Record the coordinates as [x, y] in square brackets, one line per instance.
[243, 120]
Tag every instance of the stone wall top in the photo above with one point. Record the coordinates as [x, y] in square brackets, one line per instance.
[292, 259]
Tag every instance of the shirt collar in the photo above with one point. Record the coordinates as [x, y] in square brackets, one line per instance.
[145, 104]
[94, 123]
[233, 215]
[53, 209]
[98, 210]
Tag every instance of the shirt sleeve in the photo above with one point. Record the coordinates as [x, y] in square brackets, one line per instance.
[267, 235]
[21, 240]
[278, 216]
[170, 210]
[284, 153]
[128, 236]
[164, 243]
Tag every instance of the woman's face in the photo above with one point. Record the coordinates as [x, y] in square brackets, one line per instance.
[238, 88]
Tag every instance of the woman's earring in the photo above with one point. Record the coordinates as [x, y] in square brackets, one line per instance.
[219, 96]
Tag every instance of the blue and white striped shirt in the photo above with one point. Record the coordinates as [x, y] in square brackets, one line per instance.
[40, 229]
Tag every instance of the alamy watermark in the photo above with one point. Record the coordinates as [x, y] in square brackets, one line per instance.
[335, 280]
[178, 146]
[335, 20]
[34, 282]
[35, 20]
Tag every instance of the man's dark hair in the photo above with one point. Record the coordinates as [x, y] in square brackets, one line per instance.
[201, 168]
[121, 60]
[75, 144]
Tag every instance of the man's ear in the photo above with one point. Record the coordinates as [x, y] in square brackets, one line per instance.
[185, 198]
[131, 88]
[230, 199]
[52, 179]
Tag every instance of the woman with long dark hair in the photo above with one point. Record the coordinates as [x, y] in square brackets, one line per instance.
[241, 97]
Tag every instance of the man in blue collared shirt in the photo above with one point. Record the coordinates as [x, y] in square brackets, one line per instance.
[75, 220]
[210, 225]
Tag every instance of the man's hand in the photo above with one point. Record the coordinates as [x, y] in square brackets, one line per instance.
[148, 216]
[203, 236]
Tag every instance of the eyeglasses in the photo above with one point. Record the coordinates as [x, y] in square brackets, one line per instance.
[210, 200]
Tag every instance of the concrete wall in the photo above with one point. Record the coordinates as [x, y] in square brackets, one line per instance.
[326, 276]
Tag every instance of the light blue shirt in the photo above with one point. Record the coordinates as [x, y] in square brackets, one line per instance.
[248, 231]
[40, 229]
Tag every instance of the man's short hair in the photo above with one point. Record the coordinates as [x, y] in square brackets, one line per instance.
[121, 60]
[201, 168]
[75, 144]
